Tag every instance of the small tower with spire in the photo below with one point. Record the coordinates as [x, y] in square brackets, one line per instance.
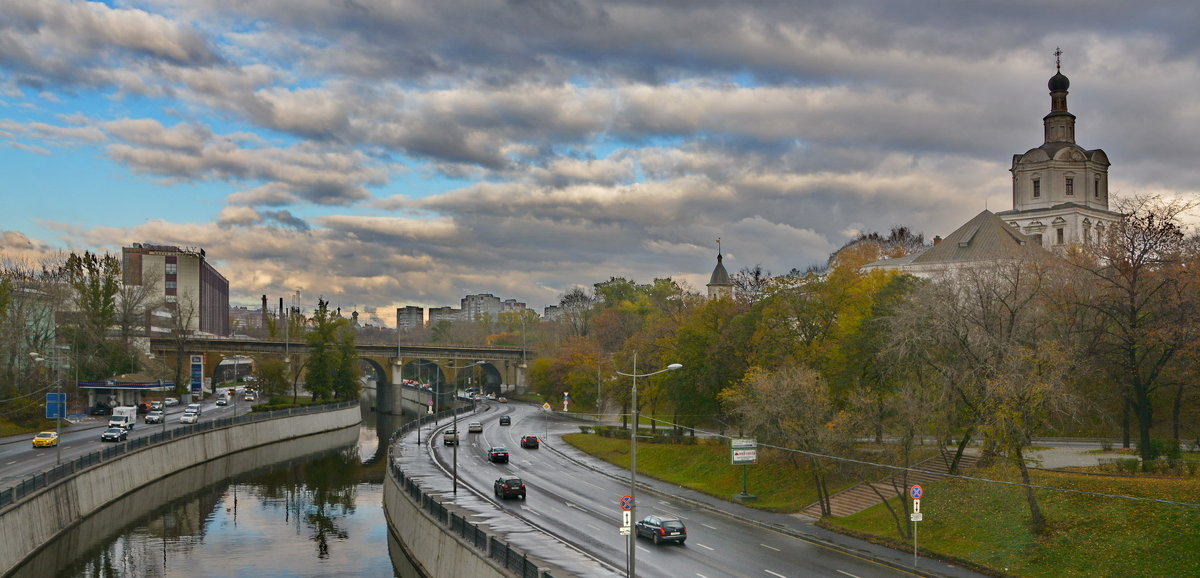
[719, 286]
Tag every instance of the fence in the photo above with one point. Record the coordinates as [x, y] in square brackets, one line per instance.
[488, 545]
[63, 471]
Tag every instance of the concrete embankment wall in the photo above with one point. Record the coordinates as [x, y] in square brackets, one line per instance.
[430, 549]
[27, 526]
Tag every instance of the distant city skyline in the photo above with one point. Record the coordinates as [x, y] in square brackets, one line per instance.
[409, 154]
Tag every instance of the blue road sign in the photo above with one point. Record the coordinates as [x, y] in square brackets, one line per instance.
[626, 502]
[917, 492]
[56, 398]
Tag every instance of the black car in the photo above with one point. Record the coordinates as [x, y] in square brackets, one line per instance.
[114, 434]
[662, 529]
[510, 488]
[529, 442]
[498, 454]
[505, 420]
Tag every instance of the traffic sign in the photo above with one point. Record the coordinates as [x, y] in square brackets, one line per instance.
[627, 502]
[546, 406]
[624, 530]
[626, 518]
[916, 517]
[916, 492]
[916, 506]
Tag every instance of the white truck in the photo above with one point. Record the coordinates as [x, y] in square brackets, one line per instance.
[123, 417]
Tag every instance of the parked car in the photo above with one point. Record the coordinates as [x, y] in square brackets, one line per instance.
[498, 455]
[509, 487]
[222, 401]
[46, 439]
[189, 417]
[114, 434]
[662, 529]
[529, 442]
[505, 420]
[155, 416]
[170, 401]
[474, 427]
[450, 438]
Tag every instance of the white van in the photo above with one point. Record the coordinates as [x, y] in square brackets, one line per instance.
[192, 408]
[123, 417]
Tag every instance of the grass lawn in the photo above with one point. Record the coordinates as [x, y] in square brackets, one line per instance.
[779, 484]
[987, 524]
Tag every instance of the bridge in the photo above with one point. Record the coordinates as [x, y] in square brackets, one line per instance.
[503, 368]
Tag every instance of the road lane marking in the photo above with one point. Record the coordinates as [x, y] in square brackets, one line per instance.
[771, 547]
[703, 546]
[643, 549]
[709, 527]
[846, 573]
[774, 573]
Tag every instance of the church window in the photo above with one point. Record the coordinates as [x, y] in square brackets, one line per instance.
[1059, 235]
[1070, 186]
[1037, 188]
[1096, 189]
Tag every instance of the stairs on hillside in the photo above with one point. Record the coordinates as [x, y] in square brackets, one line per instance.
[861, 497]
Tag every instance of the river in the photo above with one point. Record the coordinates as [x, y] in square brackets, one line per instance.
[310, 507]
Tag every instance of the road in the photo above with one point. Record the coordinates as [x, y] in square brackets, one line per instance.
[581, 507]
[18, 459]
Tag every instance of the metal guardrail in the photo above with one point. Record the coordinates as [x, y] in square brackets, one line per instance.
[61, 472]
[488, 545]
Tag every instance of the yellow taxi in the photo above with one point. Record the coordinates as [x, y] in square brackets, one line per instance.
[46, 439]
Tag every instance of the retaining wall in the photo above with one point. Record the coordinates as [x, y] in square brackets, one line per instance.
[36, 520]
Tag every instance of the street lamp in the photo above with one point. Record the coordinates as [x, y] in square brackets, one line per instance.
[454, 408]
[61, 406]
[633, 455]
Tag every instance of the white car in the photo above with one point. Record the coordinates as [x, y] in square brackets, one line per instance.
[170, 401]
[189, 417]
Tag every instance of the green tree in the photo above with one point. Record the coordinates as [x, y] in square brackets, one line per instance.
[332, 367]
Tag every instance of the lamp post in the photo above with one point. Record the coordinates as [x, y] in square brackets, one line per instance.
[633, 455]
[454, 408]
[61, 405]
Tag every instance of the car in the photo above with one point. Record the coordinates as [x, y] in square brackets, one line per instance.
[502, 399]
[100, 409]
[498, 454]
[155, 416]
[450, 438]
[156, 405]
[189, 417]
[505, 420]
[170, 401]
[474, 427]
[222, 401]
[662, 529]
[114, 434]
[46, 439]
[509, 487]
[248, 397]
[529, 442]
[193, 408]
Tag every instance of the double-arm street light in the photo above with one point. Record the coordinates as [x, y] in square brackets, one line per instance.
[633, 455]
[454, 408]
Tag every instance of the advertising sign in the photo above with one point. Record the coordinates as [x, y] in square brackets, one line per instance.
[743, 451]
[197, 374]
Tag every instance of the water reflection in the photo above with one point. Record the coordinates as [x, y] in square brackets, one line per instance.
[315, 510]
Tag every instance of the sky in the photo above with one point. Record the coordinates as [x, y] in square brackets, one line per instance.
[383, 153]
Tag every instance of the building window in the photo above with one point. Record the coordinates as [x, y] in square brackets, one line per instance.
[172, 268]
[1059, 232]
[1037, 188]
[1070, 186]
[1096, 189]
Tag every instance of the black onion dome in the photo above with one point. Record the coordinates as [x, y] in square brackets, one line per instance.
[1058, 83]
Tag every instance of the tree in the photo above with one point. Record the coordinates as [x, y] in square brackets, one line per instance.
[95, 281]
[1145, 297]
[332, 360]
[792, 407]
[576, 306]
[134, 302]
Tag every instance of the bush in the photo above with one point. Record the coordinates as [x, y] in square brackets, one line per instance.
[1161, 448]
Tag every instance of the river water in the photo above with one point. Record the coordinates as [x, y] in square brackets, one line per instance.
[310, 507]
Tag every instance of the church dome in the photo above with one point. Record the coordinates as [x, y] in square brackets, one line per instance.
[719, 275]
[1058, 83]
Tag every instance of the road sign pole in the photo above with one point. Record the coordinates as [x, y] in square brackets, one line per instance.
[914, 543]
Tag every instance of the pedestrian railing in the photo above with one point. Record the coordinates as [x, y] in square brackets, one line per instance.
[63, 471]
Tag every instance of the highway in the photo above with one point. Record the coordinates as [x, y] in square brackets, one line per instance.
[580, 506]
